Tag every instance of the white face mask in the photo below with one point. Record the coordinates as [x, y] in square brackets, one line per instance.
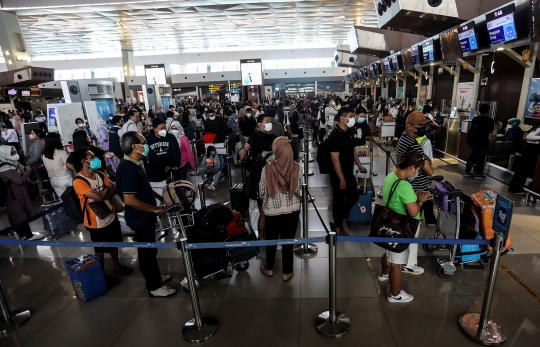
[81, 125]
[413, 176]
[212, 118]
[15, 157]
[162, 133]
[350, 123]
[175, 132]
[249, 115]
[268, 127]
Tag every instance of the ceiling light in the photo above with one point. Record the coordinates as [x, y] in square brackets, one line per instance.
[500, 49]
[7, 52]
[10, 62]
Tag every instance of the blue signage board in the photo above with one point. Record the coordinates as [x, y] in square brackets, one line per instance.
[502, 215]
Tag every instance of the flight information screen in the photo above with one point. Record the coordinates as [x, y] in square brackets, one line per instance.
[500, 25]
[428, 52]
[467, 37]
[415, 55]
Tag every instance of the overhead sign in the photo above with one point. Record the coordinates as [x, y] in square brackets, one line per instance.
[155, 74]
[251, 71]
[502, 215]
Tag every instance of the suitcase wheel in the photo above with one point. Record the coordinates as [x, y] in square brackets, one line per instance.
[241, 266]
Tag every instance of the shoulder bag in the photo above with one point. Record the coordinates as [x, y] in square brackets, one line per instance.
[387, 223]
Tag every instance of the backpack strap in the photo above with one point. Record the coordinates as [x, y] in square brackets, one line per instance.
[85, 201]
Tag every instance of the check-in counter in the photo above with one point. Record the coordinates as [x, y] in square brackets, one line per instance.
[447, 136]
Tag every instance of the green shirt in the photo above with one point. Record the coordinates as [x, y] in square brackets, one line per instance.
[404, 194]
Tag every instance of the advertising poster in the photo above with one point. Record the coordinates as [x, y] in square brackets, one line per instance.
[105, 107]
[464, 95]
[502, 215]
[251, 71]
[399, 92]
[532, 108]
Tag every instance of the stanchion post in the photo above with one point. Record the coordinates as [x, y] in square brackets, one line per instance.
[195, 154]
[477, 326]
[306, 159]
[331, 323]
[202, 198]
[11, 320]
[229, 172]
[200, 328]
[387, 162]
[305, 250]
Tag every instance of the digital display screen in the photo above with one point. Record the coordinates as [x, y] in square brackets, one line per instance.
[450, 45]
[467, 37]
[155, 74]
[406, 59]
[378, 68]
[500, 25]
[415, 54]
[386, 64]
[428, 52]
[397, 62]
[12, 92]
[52, 117]
[35, 92]
[251, 71]
[25, 93]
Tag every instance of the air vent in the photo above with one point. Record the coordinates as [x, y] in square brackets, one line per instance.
[100, 89]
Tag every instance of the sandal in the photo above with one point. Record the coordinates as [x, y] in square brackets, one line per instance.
[264, 270]
[342, 232]
[287, 277]
[124, 270]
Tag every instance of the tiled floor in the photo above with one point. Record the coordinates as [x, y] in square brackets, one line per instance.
[254, 310]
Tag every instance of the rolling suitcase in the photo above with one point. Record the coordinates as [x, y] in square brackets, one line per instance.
[239, 198]
[361, 211]
[240, 254]
[57, 222]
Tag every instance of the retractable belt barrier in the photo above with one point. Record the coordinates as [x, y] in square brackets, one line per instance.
[28, 220]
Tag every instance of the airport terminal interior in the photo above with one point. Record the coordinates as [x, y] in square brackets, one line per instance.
[107, 90]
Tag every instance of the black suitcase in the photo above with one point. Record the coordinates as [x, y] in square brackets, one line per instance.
[239, 199]
[240, 254]
[208, 261]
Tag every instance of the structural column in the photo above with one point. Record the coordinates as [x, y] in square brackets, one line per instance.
[12, 42]
[128, 66]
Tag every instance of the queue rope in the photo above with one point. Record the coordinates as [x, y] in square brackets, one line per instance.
[387, 152]
[210, 178]
[28, 220]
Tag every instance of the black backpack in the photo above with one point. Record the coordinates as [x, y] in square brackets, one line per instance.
[254, 178]
[71, 202]
[323, 157]
[473, 134]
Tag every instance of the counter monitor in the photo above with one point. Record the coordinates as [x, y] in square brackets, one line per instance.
[500, 25]
[416, 50]
[467, 37]
[428, 52]
[397, 62]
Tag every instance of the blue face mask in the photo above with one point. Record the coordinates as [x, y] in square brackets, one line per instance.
[361, 120]
[146, 150]
[95, 164]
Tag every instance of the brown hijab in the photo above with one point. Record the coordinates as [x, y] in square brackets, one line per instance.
[283, 172]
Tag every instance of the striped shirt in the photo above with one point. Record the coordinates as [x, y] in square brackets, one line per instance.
[405, 144]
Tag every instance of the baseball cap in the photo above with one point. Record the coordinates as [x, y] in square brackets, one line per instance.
[417, 117]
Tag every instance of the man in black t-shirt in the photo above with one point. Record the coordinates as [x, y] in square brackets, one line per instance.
[254, 144]
[344, 189]
[361, 132]
[478, 139]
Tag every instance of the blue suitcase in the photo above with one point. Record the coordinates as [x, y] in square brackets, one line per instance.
[361, 211]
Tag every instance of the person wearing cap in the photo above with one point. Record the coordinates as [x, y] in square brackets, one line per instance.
[416, 126]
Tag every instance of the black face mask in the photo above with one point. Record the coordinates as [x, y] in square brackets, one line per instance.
[421, 131]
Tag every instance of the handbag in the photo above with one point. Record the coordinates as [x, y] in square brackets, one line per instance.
[387, 223]
[118, 206]
[100, 208]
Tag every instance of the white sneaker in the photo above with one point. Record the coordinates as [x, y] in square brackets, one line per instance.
[211, 186]
[382, 277]
[165, 278]
[403, 296]
[415, 270]
[162, 292]
[37, 236]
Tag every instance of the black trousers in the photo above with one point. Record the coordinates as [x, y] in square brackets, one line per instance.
[24, 231]
[478, 157]
[148, 263]
[343, 200]
[284, 226]
[429, 215]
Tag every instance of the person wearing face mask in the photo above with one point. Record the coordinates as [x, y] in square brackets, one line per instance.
[81, 125]
[114, 136]
[330, 113]
[342, 180]
[277, 128]
[131, 123]
[81, 140]
[164, 156]
[186, 155]
[247, 125]
[253, 147]
[415, 127]
[362, 132]
[135, 190]
[9, 135]
[17, 200]
[405, 201]
[36, 149]
[213, 124]
[55, 160]
[210, 163]
[91, 185]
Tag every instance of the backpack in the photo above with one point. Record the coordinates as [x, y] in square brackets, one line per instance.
[323, 157]
[71, 202]
[255, 173]
[4, 188]
[180, 192]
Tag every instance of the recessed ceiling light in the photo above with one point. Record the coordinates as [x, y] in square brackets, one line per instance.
[500, 49]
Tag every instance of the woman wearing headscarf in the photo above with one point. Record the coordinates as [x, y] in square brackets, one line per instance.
[187, 158]
[280, 188]
[103, 142]
[17, 201]
[514, 133]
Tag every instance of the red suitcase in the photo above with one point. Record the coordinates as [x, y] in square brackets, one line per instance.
[236, 227]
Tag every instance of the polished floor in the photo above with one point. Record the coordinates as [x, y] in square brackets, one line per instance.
[254, 310]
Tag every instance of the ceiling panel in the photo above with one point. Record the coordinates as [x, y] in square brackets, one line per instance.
[198, 24]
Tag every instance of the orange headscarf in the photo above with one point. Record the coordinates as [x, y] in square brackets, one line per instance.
[283, 172]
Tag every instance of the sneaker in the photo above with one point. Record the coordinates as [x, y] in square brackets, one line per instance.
[479, 177]
[162, 292]
[382, 277]
[37, 236]
[415, 270]
[165, 278]
[467, 174]
[403, 296]
[211, 187]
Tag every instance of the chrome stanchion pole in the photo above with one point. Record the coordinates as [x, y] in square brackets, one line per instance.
[196, 155]
[11, 320]
[331, 323]
[202, 198]
[477, 326]
[305, 250]
[201, 328]
[387, 162]
[307, 173]
[306, 158]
